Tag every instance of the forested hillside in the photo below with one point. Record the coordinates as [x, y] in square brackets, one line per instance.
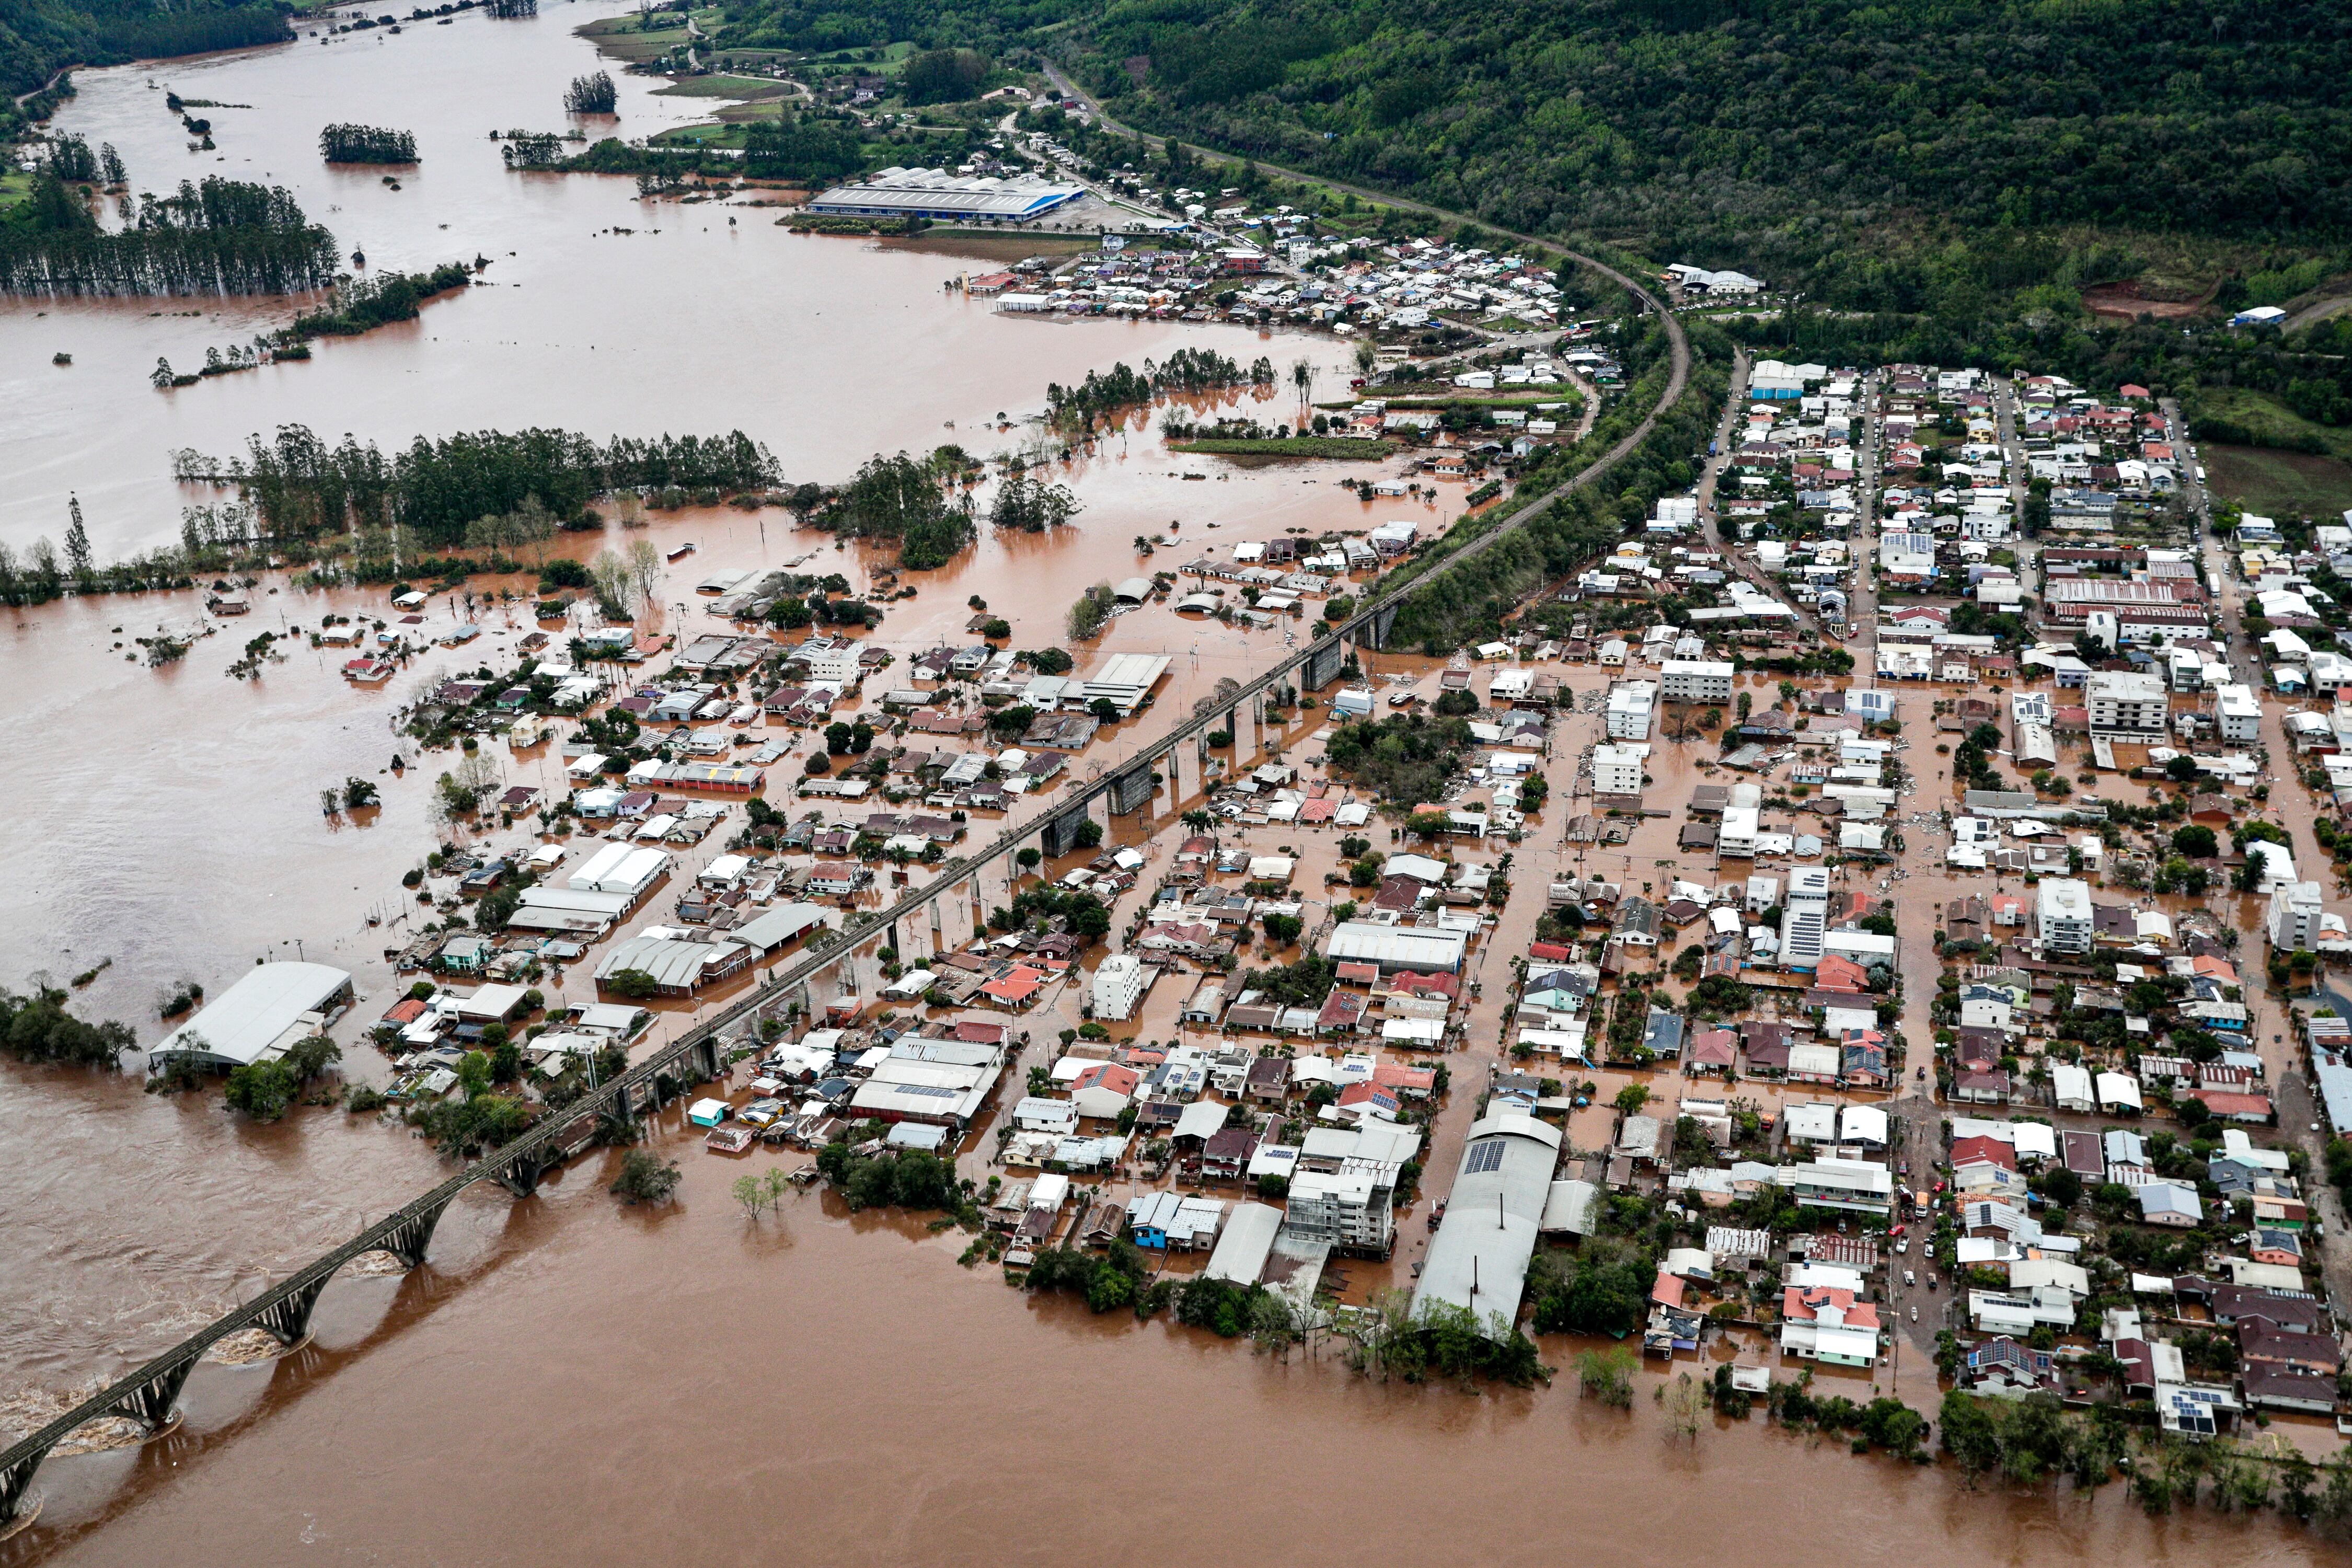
[39, 37]
[1676, 115]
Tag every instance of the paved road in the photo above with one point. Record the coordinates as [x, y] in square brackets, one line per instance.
[2292, 1091]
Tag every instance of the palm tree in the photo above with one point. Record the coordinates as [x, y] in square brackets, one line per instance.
[1199, 821]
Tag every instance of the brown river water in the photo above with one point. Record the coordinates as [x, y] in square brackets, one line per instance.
[566, 1379]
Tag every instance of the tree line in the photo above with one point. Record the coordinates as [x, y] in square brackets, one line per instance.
[299, 486]
[222, 237]
[806, 148]
[1186, 371]
[347, 143]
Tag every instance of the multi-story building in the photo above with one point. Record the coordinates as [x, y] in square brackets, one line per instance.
[1695, 680]
[1617, 770]
[1119, 984]
[2126, 702]
[1348, 1208]
[1738, 835]
[1805, 917]
[1630, 703]
[2062, 911]
[2294, 916]
[2238, 713]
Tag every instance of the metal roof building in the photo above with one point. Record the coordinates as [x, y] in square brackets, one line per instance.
[271, 1006]
[936, 193]
[1395, 948]
[677, 967]
[1479, 1258]
[1126, 678]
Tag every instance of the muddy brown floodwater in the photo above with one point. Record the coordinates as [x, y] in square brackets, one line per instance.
[568, 1380]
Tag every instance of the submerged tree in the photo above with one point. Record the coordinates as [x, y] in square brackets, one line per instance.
[1032, 505]
[592, 94]
[347, 143]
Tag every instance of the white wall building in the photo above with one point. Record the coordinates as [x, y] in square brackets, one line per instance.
[1120, 985]
[1805, 917]
[1617, 770]
[2064, 914]
[1738, 835]
[2238, 713]
[1696, 679]
[1630, 703]
[2294, 916]
[2126, 702]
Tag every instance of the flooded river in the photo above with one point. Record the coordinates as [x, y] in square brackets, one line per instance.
[569, 1380]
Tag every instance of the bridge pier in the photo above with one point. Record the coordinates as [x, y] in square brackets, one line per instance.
[288, 1317]
[15, 1483]
[1322, 665]
[1131, 789]
[521, 1174]
[1060, 834]
[153, 1403]
[414, 1235]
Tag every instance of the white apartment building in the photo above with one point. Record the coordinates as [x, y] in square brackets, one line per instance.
[1696, 679]
[2294, 916]
[2064, 915]
[1736, 837]
[2126, 702]
[1805, 917]
[1631, 704]
[1617, 770]
[1120, 985]
[2238, 713]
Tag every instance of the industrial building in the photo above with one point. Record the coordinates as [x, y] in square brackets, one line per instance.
[1478, 1260]
[945, 197]
[1398, 948]
[1126, 679]
[270, 1008]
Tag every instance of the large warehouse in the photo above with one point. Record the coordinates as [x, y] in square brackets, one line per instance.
[1126, 678]
[1478, 1260]
[271, 1006]
[947, 198]
[1427, 950]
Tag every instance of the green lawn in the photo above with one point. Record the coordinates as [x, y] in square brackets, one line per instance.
[744, 89]
[705, 134]
[2275, 483]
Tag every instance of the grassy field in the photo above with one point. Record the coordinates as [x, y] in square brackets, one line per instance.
[702, 136]
[746, 88]
[2265, 415]
[2274, 483]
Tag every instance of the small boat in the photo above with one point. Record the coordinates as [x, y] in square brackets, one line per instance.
[681, 552]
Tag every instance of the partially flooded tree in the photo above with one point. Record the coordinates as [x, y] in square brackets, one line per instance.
[608, 579]
[644, 570]
[1686, 1407]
